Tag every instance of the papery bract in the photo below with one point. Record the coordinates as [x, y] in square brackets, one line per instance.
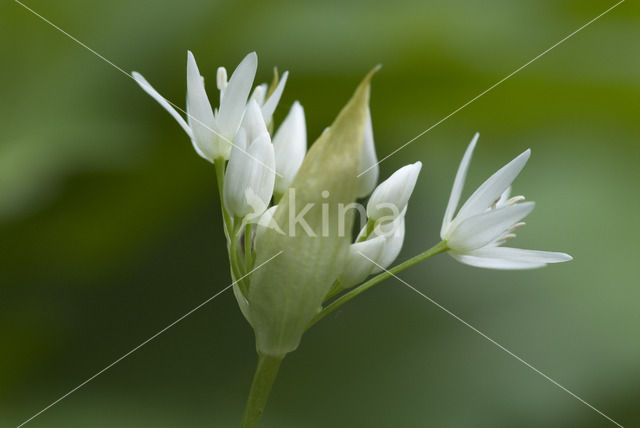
[288, 292]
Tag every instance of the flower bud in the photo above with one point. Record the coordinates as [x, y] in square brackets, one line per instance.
[250, 176]
[392, 195]
[290, 146]
[393, 234]
[358, 265]
[375, 253]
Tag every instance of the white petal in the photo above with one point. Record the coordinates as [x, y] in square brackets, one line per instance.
[290, 146]
[253, 122]
[235, 96]
[162, 101]
[491, 263]
[272, 102]
[195, 145]
[394, 238]
[358, 265]
[479, 230]
[235, 175]
[250, 176]
[392, 195]
[263, 172]
[522, 255]
[259, 92]
[368, 161]
[458, 185]
[504, 197]
[200, 115]
[240, 143]
[491, 189]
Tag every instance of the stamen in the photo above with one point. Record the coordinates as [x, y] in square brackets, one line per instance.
[259, 94]
[515, 200]
[517, 226]
[504, 238]
[221, 78]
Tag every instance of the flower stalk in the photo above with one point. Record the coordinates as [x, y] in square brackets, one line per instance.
[263, 379]
[268, 366]
[219, 165]
[439, 248]
[248, 254]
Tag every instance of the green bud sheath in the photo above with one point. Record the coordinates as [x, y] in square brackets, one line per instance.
[287, 292]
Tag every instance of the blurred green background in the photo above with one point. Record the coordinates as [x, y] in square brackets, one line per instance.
[110, 226]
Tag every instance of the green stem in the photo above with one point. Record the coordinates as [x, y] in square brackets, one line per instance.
[266, 373]
[219, 164]
[234, 254]
[228, 225]
[440, 247]
[248, 255]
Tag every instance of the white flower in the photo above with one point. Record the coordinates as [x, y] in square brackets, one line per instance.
[250, 175]
[488, 218]
[393, 233]
[290, 145]
[369, 169]
[377, 247]
[375, 253]
[211, 132]
[358, 265]
[392, 195]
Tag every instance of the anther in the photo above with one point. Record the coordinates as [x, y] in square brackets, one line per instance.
[515, 200]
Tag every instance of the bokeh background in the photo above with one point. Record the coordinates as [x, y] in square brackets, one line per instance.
[110, 225]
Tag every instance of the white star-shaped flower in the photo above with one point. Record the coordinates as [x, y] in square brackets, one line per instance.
[488, 218]
[212, 132]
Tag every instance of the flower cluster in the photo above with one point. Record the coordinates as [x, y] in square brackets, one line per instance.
[380, 240]
[257, 169]
[286, 209]
[238, 131]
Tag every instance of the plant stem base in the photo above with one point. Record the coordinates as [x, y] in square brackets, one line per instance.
[263, 379]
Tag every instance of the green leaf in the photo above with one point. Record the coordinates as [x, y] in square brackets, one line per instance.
[288, 292]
